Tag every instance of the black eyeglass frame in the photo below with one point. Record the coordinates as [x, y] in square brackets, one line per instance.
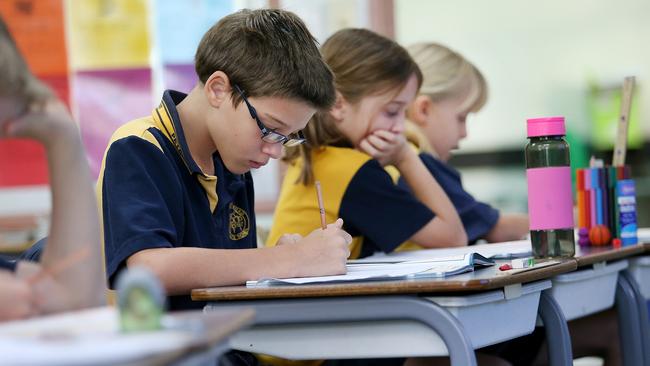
[269, 135]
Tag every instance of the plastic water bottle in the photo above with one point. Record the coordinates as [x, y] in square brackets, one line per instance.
[550, 199]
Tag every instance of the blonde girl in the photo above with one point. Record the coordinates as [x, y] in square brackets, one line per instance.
[452, 88]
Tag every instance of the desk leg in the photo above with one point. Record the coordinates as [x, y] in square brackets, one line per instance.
[633, 321]
[328, 310]
[557, 331]
[628, 321]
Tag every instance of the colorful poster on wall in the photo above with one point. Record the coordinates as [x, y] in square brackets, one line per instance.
[180, 25]
[38, 29]
[179, 29]
[107, 99]
[108, 34]
[180, 77]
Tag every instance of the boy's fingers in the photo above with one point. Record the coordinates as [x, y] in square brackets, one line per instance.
[347, 237]
[344, 234]
[284, 239]
[337, 224]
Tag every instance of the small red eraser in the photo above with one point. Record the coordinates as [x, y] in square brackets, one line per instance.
[505, 267]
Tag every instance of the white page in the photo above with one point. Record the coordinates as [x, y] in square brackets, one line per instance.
[510, 249]
[376, 271]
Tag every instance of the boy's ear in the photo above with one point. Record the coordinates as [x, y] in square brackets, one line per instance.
[217, 88]
[420, 110]
[339, 108]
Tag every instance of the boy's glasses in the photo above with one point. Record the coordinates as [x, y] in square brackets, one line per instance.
[268, 135]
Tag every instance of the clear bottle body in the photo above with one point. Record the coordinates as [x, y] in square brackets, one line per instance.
[549, 155]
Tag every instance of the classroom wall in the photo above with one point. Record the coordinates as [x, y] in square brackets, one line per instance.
[121, 55]
[538, 57]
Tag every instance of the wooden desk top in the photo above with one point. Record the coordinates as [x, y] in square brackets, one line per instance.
[480, 280]
[589, 255]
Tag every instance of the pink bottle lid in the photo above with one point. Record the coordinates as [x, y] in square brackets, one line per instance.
[546, 126]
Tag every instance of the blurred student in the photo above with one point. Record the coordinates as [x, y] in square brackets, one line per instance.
[175, 189]
[452, 88]
[69, 275]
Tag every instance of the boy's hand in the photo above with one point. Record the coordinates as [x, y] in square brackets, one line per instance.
[48, 122]
[385, 146]
[324, 252]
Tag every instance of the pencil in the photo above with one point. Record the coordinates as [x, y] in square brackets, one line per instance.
[321, 207]
[61, 266]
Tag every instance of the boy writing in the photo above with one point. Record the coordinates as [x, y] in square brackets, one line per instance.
[175, 191]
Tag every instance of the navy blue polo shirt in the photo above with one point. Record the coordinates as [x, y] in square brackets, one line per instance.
[152, 194]
[478, 218]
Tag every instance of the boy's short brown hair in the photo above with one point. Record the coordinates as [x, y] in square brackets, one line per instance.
[15, 78]
[267, 53]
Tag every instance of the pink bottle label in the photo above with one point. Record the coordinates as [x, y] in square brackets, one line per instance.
[550, 200]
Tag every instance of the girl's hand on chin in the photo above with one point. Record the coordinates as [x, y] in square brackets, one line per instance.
[385, 146]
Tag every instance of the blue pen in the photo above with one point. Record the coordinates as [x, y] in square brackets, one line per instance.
[602, 174]
[595, 184]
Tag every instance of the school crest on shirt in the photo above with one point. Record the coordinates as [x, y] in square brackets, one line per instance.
[239, 224]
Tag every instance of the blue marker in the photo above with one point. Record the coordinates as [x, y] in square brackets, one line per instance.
[626, 195]
[597, 187]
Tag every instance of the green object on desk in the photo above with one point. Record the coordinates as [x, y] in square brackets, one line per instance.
[141, 300]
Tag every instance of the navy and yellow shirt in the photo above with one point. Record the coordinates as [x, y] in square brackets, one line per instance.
[152, 194]
[378, 214]
[478, 218]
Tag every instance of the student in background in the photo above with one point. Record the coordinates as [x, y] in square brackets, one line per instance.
[175, 189]
[69, 275]
[452, 88]
[348, 146]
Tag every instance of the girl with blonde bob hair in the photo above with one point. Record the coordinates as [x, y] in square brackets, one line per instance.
[452, 88]
[348, 146]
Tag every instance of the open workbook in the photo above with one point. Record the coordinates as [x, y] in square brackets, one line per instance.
[413, 269]
[504, 250]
